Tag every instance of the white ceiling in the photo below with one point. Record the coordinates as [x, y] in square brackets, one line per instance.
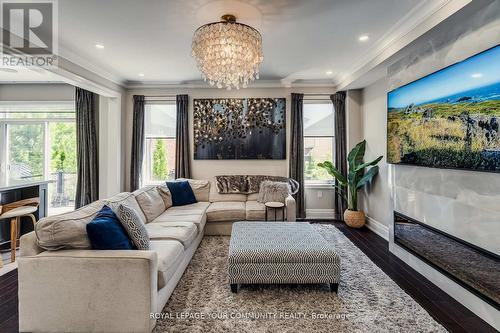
[302, 40]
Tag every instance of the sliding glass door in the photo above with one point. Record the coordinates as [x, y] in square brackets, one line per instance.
[40, 144]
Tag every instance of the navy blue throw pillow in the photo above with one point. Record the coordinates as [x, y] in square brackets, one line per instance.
[182, 193]
[106, 232]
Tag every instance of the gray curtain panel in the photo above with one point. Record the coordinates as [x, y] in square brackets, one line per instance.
[182, 156]
[87, 146]
[137, 153]
[338, 100]
[296, 159]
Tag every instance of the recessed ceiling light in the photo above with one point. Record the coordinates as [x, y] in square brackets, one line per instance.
[363, 38]
[141, 74]
[99, 46]
[477, 75]
[328, 72]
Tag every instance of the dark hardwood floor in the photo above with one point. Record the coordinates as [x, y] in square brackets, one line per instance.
[8, 302]
[443, 308]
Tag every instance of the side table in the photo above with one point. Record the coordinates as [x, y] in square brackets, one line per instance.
[275, 206]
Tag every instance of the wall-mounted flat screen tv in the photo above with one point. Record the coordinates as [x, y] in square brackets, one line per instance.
[449, 119]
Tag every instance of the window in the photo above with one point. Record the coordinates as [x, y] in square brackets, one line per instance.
[318, 141]
[159, 154]
[40, 144]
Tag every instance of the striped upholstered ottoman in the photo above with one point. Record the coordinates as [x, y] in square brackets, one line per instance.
[281, 252]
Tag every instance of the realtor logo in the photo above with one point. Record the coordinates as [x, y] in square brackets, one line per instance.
[28, 32]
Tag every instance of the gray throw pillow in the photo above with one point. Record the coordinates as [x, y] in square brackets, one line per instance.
[134, 227]
[273, 191]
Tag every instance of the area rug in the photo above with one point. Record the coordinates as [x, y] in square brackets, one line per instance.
[367, 301]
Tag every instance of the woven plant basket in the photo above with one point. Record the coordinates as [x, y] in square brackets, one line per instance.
[354, 219]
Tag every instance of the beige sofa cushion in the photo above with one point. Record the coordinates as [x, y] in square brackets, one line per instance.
[196, 208]
[165, 195]
[197, 219]
[170, 254]
[255, 211]
[127, 199]
[201, 188]
[226, 211]
[150, 201]
[217, 197]
[184, 232]
[253, 196]
[67, 231]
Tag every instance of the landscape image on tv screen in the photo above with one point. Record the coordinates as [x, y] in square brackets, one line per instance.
[449, 119]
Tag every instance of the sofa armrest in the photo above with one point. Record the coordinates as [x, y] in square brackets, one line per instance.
[88, 291]
[28, 245]
[291, 213]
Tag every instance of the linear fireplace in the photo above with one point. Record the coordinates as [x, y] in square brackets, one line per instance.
[470, 266]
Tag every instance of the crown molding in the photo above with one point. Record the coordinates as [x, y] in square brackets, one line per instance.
[91, 67]
[199, 84]
[414, 24]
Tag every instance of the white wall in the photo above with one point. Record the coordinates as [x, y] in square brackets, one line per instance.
[375, 198]
[316, 199]
[37, 92]
[110, 147]
[429, 194]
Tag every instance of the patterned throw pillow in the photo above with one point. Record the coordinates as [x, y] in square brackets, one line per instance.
[134, 226]
[273, 191]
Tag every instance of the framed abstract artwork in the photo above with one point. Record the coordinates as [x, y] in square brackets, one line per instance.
[239, 128]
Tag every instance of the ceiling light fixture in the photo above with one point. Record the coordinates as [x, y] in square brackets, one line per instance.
[328, 72]
[99, 46]
[477, 75]
[228, 53]
[141, 74]
[363, 38]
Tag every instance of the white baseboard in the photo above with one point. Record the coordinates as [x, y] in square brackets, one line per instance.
[320, 213]
[377, 227]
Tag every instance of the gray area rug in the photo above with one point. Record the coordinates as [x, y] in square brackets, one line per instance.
[368, 300]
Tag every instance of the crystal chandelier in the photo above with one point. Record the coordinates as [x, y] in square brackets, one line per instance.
[228, 54]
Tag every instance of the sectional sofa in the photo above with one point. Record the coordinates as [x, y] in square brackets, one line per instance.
[65, 286]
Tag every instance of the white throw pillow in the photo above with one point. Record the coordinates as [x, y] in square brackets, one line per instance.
[165, 195]
[150, 201]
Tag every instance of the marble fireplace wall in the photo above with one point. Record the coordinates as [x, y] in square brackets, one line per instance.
[462, 203]
[465, 204]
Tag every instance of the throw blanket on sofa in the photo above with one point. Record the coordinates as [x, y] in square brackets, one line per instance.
[243, 184]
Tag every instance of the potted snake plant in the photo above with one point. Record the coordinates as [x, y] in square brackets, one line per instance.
[359, 174]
